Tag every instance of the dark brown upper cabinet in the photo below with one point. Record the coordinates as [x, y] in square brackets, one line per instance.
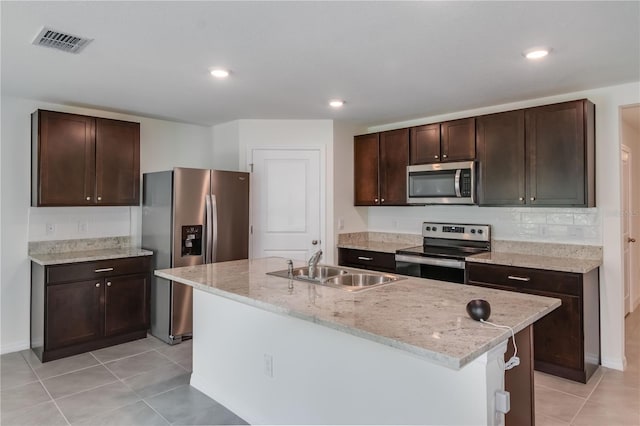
[501, 159]
[424, 145]
[541, 156]
[79, 160]
[560, 141]
[380, 168]
[442, 142]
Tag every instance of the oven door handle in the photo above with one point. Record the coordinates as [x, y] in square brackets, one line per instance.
[448, 263]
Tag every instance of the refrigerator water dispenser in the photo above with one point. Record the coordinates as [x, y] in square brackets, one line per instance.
[192, 240]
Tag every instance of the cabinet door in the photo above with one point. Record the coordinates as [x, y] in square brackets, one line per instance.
[394, 159]
[558, 336]
[73, 313]
[501, 159]
[556, 154]
[126, 306]
[117, 162]
[458, 140]
[366, 155]
[424, 145]
[65, 159]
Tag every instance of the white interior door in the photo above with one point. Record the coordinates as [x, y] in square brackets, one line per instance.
[627, 239]
[286, 202]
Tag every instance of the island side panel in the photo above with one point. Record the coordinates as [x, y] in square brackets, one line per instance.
[320, 375]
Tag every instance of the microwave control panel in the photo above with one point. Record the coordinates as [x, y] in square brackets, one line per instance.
[465, 183]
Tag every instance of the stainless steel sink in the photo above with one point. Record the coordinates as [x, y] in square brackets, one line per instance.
[343, 278]
[321, 273]
[362, 280]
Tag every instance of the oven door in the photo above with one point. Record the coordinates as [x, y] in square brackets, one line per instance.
[434, 268]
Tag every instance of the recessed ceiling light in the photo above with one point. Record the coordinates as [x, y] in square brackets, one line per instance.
[336, 103]
[220, 73]
[536, 53]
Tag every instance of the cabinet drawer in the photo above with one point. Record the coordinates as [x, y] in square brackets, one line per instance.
[97, 269]
[524, 278]
[365, 259]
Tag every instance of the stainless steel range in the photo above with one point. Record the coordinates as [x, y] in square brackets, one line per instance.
[444, 248]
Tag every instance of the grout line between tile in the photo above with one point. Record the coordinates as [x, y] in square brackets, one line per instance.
[156, 411]
[84, 390]
[68, 372]
[47, 391]
[124, 357]
[561, 391]
[588, 397]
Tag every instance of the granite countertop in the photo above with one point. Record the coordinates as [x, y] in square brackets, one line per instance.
[562, 264]
[379, 246]
[424, 317]
[88, 255]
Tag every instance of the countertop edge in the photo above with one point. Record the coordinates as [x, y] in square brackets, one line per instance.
[88, 258]
[587, 266]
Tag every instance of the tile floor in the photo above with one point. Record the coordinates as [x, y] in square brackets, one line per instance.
[611, 398]
[144, 382]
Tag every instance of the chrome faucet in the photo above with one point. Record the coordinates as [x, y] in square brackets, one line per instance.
[313, 262]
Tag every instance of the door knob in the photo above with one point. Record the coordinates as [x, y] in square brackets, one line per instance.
[315, 242]
[631, 240]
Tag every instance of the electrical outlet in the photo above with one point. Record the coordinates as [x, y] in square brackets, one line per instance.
[83, 227]
[50, 229]
[268, 365]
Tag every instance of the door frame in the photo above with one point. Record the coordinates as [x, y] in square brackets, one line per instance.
[324, 240]
[628, 217]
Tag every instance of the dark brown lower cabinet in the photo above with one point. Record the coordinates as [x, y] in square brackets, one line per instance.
[84, 306]
[365, 259]
[567, 340]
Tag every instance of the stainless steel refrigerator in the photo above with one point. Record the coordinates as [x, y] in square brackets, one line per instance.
[190, 217]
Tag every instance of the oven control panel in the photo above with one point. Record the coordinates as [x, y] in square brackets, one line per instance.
[456, 231]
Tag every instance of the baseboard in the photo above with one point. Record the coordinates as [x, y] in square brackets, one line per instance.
[615, 363]
[14, 347]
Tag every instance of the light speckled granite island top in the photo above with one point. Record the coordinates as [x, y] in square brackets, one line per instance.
[425, 317]
[87, 256]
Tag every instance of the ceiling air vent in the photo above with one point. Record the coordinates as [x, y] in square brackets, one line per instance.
[61, 41]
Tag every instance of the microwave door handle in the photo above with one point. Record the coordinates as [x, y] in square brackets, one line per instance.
[457, 183]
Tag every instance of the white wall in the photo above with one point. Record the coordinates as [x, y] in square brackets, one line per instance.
[347, 218]
[608, 183]
[226, 143]
[163, 145]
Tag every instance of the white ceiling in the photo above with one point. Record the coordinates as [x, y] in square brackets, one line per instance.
[390, 61]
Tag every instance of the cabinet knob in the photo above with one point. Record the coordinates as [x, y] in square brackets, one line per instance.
[88, 198]
[444, 156]
[108, 283]
[521, 199]
[631, 240]
[375, 200]
[97, 284]
[99, 198]
[382, 200]
[533, 198]
[435, 156]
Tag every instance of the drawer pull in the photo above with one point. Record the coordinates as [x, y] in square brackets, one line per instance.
[103, 270]
[513, 277]
[365, 258]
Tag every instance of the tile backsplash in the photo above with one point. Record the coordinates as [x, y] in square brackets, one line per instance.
[574, 225]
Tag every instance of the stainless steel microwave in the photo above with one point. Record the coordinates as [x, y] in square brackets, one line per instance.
[442, 183]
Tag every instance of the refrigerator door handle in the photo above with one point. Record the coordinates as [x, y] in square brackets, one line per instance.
[214, 229]
[208, 221]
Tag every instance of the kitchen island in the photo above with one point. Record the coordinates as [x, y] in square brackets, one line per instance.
[280, 351]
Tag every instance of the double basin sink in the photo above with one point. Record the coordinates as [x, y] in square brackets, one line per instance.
[337, 277]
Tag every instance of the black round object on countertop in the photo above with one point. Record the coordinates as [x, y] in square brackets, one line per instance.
[479, 309]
